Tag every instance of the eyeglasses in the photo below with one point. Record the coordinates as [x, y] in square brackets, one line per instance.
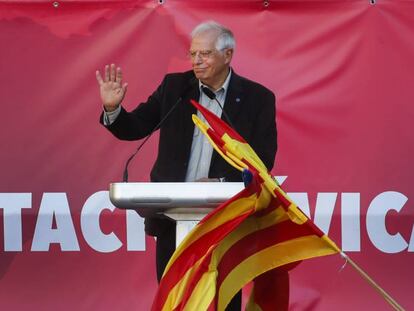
[204, 54]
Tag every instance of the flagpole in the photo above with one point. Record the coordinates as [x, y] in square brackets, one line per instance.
[382, 292]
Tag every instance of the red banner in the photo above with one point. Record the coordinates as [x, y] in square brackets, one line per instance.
[341, 71]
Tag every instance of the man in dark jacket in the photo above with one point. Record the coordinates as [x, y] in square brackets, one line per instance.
[183, 153]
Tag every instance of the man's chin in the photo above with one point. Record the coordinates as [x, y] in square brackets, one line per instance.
[202, 78]
[200, 74]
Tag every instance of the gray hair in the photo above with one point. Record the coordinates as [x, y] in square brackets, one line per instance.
[225, 38]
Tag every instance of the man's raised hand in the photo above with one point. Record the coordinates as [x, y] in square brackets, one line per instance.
[111, 88]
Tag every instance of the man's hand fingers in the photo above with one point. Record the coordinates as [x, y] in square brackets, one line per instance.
[119, 76]
[106, 73]
[112, 73]
[99, 77]
[124, 87]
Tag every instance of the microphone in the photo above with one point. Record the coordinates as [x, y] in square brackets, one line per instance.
[179, 100]
[210, 94]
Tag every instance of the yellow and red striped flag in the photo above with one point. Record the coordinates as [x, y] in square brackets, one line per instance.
[256, 231]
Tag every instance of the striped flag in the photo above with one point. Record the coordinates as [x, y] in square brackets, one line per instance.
[256, 231]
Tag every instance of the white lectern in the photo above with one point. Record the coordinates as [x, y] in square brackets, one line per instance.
[186, 203]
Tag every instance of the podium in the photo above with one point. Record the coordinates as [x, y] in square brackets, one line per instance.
[186, 203]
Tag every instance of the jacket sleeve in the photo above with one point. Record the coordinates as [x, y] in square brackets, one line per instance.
[264, 136]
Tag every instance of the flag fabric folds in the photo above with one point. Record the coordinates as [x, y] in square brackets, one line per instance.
[256, 231]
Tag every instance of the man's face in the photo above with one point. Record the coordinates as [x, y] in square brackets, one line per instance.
[209, 64]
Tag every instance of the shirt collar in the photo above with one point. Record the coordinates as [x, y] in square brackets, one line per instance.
[223, 87]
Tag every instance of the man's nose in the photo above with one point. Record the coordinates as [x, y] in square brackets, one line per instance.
[197, 60]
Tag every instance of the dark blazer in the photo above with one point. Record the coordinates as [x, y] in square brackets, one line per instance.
[250, 106]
